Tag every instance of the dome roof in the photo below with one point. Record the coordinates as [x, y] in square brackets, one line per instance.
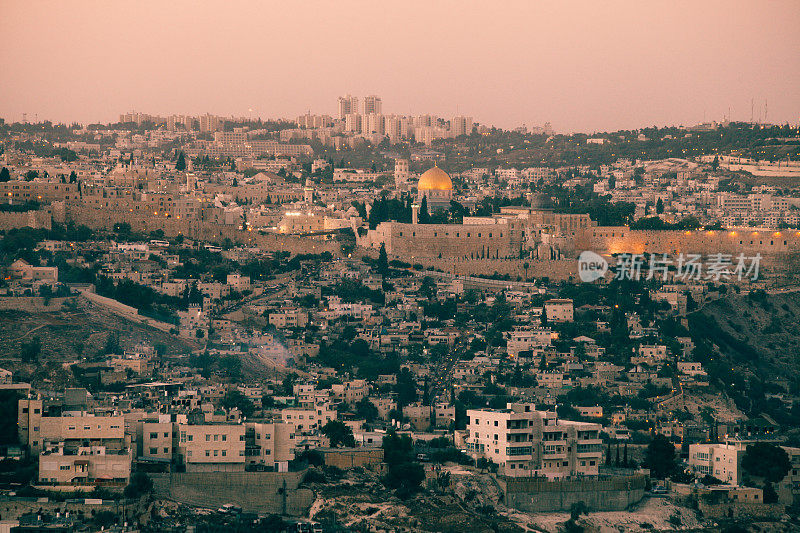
[435, 179]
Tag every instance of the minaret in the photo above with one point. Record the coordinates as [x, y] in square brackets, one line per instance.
[415, 213]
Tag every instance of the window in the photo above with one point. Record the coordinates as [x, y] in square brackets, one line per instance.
[224, 438]
[224, 453]
[208, 437]
[64, 467]
[154, 435]
[208, 453]
[153, 451]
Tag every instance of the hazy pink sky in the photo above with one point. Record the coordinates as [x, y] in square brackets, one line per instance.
[584, 66]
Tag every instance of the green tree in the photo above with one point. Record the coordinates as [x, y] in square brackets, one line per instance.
[235, 398]
[767, 461]
[383, 261]
[339, 434]
[5, 175]
[403, 473]
[8, 416]
[366, 409]
[181, 164]
[659, 206]
[140, 484]
[406, 388]
[660, 457]
[112, 345]
[428, 287]
[770, 496]
[30, 350]
[424, 216]
[232, 366]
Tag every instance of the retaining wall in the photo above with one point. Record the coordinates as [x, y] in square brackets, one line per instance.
[255, 492]
[540, 496]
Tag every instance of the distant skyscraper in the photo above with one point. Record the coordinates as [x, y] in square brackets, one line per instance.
[461, 126]
[372, 123]
[348, 105]
[210, 123]
[393, 128]
[373, 105]
[352, 123]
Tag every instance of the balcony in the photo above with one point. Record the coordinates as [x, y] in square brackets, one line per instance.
[519, 451]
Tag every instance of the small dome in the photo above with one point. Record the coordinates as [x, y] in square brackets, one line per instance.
[435, 179]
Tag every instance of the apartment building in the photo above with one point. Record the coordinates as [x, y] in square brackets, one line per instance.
[84, 465]
[71, 428]
[526, 442]
[559, 310]
[521, 340]
[722, 461]
[350, 391]
[650, 353]
[211, 447]
[289, 318]
[157, 441]
[307, 420]
[270, 445]
[418, 415]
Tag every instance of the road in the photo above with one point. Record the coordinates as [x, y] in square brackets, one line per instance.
[442, 376]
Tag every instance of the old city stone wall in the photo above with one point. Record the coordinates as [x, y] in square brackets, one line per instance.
[779, 249]
[558, 269]
[415, 241]
[96, 218]
[32, 304]
[620, 239]
[41, 218]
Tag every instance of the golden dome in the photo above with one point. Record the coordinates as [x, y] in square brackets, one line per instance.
[434, 179]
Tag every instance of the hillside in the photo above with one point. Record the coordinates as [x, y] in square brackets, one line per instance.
[751, 344]
[76, 330]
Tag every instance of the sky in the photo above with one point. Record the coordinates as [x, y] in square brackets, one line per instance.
[583, 66]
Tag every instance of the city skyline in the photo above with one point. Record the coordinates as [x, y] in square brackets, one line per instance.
[610, 67]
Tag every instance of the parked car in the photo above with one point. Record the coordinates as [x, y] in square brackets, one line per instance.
[230, 509]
